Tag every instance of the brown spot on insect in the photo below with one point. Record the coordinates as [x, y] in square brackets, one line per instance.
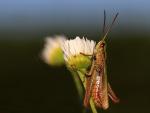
[97, 86]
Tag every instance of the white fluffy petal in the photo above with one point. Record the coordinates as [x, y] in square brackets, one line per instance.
[76, 46]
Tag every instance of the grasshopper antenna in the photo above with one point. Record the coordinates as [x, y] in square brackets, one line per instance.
[104, 24]
[109, 28]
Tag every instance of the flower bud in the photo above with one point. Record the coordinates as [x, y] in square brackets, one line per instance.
[79, 62]
[52, 53]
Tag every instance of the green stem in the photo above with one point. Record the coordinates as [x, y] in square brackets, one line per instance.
[79, 77]
[93, 106]
[78, 84]
[82, 77]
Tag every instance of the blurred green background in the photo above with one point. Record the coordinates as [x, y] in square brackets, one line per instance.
[28, 85]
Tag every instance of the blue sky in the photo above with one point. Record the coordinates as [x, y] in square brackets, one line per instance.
[31, 14]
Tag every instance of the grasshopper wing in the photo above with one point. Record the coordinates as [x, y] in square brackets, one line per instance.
[104, 89]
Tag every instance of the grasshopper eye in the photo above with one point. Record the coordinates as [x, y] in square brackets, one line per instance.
[102, 44]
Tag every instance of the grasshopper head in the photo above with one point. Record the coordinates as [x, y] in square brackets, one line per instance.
[100, 45]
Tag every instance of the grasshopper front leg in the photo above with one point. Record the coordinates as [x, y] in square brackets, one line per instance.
[86, 54]
[89, 74]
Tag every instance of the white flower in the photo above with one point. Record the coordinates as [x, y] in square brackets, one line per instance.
[77, 46]
[73, 52]
[52, 53]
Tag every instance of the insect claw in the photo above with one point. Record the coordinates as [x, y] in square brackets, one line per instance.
[88, 74]
[86, 54]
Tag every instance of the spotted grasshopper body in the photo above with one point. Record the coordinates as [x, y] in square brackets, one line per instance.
[97, 85]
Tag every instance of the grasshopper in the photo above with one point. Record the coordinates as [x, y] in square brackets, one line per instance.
[97, 85]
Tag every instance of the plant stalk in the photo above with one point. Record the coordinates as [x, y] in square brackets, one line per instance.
[82, 77]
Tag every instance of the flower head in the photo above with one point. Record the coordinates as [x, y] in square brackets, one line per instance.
[72, 52]
[52, 53]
